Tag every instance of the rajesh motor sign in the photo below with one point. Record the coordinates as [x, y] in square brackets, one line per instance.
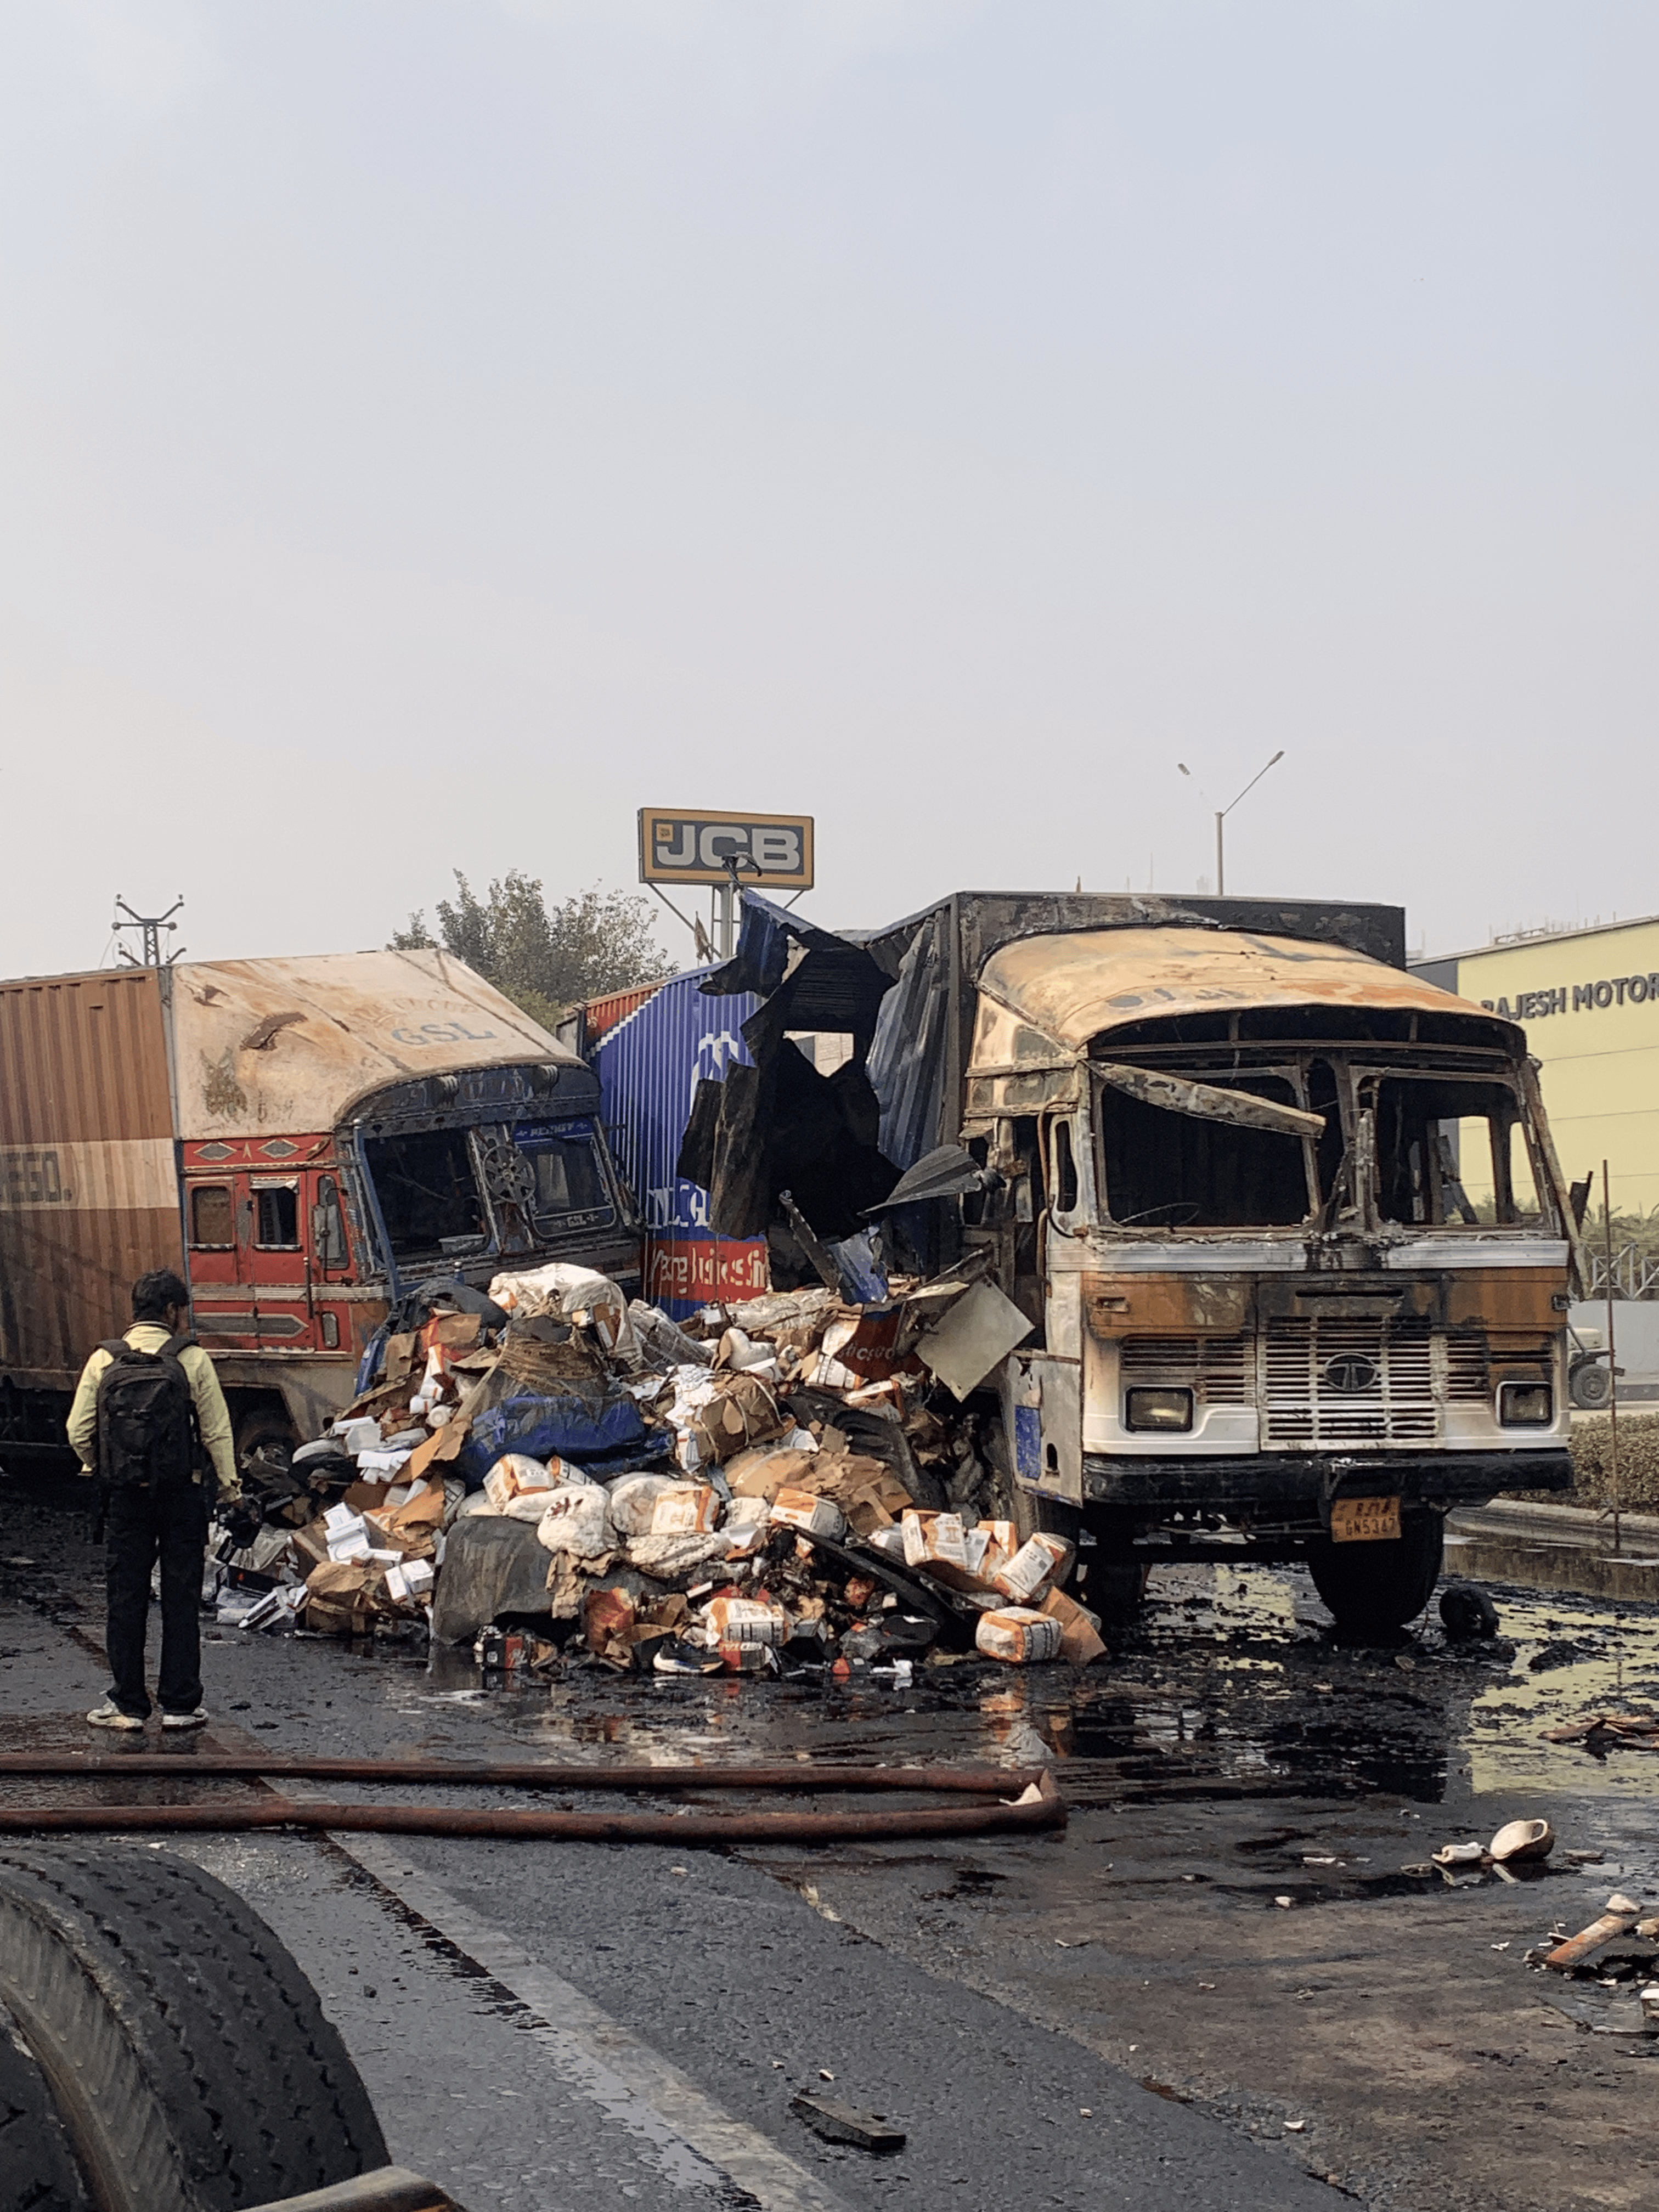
[774, 852]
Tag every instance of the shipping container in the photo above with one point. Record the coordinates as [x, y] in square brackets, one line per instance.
[649, 1064]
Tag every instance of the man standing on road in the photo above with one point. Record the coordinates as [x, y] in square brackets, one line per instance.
[148, 1408]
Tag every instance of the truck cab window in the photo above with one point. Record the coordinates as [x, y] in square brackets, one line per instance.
[211, 1218]
[429, 1198]
[277, 1218]
[564, 1160]
[1174, 1171]
[1064, 1166]
[1451, 1153]
[328, 1226]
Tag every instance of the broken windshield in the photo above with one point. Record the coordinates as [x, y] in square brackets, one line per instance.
[1182, 1149]
[447, 1193]
[1175, 1169]
[429, 1198]
[569, 1186]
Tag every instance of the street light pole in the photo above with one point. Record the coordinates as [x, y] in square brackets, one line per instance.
[1221, 814]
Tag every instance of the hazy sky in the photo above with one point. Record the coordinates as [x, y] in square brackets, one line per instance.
[435, 428]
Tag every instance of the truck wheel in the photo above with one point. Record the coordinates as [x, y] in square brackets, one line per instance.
[264, 1431]
[186, 2054]
[37, 2166]
[1590, 1386]
[1049, 1516]
[1115, 1586]
[1371, 1587]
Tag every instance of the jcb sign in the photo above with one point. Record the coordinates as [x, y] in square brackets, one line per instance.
[772, 851]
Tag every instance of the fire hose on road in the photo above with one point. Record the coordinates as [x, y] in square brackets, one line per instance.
[1037, 1803]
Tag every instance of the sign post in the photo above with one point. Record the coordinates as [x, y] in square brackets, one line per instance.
[773, 852]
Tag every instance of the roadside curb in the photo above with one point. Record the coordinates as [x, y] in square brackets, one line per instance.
[1566, 1547]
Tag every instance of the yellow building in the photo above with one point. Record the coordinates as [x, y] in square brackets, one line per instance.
[1588, 1001]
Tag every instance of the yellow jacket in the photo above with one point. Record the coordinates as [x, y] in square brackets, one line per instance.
[212, 1415]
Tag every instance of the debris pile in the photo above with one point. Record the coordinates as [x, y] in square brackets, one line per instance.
[1583, 1958]
[786, 1485]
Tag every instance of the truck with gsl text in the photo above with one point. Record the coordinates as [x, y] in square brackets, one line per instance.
[1285, 1223]
[305, 1140]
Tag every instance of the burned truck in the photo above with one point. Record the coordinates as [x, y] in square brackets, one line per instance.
[306, 1141]
[1284, 1225]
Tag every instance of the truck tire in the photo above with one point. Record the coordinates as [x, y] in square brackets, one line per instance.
[1372, 1588]
[186, 2054]
[1590, 1386]
[268, 1430]
[1115, 1585]
[38, 2172]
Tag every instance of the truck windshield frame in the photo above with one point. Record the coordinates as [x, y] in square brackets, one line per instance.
[1401, 1148]
[426, 1186]
[478, 1190]
[570, 1187]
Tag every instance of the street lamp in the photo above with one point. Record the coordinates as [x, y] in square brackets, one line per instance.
[1222, 812]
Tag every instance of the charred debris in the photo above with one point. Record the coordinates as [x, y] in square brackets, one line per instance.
[558, 1475]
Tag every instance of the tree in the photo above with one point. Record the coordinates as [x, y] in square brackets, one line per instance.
[546, 959]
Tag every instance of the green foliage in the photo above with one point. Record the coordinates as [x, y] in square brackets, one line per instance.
[546, 959]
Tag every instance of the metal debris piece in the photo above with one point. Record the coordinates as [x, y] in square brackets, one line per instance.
[845, 2124]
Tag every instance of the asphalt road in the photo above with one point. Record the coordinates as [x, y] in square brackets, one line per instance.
[1123, 2014]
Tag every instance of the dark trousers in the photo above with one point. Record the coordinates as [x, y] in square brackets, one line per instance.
[169, 1523]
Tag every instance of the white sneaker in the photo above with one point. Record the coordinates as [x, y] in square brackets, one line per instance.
[197, 1719]
[110, 1715]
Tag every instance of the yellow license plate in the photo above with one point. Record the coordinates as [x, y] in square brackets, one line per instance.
[1365, 1521]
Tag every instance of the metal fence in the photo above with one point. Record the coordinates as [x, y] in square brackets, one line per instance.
[1635, 1273]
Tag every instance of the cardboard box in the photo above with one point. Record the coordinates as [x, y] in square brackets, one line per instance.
[1080, 1644]
[934, 1540]
[1019, 1636]
[685, 1509]
[1041, 1560]
[818, 1517]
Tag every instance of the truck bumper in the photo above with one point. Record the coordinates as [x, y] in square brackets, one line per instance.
[1305, 1482]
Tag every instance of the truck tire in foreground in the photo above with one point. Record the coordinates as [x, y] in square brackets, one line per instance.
[189, 2065]
[1378, 1587]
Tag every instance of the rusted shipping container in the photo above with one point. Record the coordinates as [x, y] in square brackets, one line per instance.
[304, 1139]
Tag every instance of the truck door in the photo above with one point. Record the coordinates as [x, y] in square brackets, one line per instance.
[210, 1226]
[1044, 1386]
[273, 1251]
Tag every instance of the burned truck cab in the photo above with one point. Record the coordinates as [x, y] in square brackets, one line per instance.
[353, 1126]
[468, 1173]
[1295, 1243]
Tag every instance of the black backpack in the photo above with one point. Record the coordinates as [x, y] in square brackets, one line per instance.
[146, 1417]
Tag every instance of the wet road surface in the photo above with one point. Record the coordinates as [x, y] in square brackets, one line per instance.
[1126, 2013]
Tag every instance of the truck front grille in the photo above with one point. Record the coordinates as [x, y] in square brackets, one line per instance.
[1325, 1384]
[1379, 1383]
[1221, 1369]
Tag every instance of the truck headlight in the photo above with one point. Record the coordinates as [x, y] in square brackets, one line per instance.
[1158, 1409]
[1526, 1404]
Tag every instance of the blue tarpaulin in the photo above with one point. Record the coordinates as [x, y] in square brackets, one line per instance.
[601, 1438]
